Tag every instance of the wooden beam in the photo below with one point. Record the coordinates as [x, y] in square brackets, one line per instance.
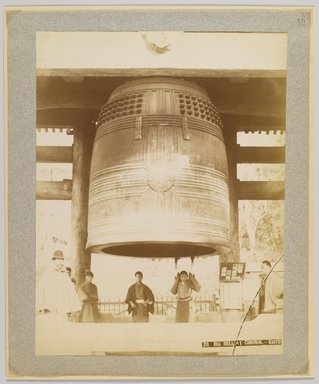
[260, 190]
[267, 155]
[176, 72]
[54, 154]
[59, 127]
[54, 190]
[73, 117]
[66, 117]
[274, 125]
[253, 123]
[257, 101]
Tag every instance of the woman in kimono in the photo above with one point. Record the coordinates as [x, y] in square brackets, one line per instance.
[89, 296]
[182, 288]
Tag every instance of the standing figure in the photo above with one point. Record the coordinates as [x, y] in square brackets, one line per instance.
[68, 271]
[271, 293]
[56, 293]
[140, 300]
[182, 288]
[89, 296]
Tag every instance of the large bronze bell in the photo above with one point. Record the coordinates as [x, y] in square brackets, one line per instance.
[159, 176]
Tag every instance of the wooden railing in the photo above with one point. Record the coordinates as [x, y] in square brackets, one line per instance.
[163, 305]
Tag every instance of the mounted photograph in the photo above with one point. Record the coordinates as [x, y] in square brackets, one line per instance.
[160, 193]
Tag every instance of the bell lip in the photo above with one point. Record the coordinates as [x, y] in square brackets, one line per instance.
[172, 249]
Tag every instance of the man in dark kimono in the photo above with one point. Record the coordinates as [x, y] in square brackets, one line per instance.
[140, 300]
[88, 294]
[182, 288]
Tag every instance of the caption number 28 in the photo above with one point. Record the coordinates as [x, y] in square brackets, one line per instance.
[301, 22]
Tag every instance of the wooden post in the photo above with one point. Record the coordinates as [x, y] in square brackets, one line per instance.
[82, 150]
[230, 136]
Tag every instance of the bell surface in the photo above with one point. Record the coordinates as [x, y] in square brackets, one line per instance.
[159, 174]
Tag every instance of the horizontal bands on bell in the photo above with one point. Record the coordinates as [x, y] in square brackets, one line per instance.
[165, 194]
[169, 219]
[210, 129]
[110, 191]
[220, 237]
[138, 168]
[117, 195]
[109, 185]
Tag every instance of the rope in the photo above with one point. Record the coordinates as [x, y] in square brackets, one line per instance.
[253, 302]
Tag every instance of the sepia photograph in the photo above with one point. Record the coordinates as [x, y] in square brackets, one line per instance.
[160, 193]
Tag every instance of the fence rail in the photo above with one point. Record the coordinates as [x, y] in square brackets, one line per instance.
[163, 305]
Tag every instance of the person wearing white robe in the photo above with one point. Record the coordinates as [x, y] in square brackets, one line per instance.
[56, 293]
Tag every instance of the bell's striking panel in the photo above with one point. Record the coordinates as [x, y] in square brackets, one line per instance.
[159, 175]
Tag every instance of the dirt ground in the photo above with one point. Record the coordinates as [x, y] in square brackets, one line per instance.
[56, 336]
